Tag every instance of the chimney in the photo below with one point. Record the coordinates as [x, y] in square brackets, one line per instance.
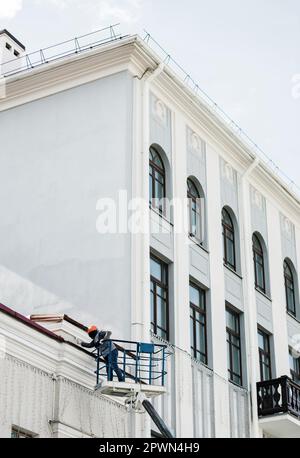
[11, 51]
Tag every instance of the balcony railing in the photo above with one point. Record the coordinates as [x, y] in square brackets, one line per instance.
[278, 396]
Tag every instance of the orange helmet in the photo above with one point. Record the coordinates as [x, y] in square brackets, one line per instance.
[92, 329]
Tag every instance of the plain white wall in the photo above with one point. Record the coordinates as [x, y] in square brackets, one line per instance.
[58, 156]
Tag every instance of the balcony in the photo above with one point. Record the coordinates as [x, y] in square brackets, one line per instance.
[279, 407]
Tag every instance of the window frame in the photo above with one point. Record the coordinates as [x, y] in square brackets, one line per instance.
[225, 229]
[161, 171]
[203, 326]
[290, 279]
[266, 353]
[259, 254]
[194, 200]
[164, 286]
[20, 433]
[230, 344]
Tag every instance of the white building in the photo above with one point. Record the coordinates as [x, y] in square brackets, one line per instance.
[82, 128]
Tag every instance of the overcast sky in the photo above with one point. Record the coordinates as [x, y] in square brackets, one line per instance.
[244, 53]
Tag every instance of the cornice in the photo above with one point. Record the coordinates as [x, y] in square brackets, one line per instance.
[65, 74]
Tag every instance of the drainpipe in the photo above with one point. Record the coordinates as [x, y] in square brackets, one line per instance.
[253, 166]
[250, 308]
[140, 323]
[147, 80]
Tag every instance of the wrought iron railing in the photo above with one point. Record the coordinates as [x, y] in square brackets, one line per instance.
[281, 395]
[138, 362]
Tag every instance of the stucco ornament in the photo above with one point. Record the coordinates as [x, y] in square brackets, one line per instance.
[195, 142]
[257, 199]
[288, 227]
[161, 111]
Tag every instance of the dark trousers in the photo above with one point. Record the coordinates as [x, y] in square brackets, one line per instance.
[112, 366]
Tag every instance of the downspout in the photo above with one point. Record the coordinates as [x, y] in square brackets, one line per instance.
[140, 323]
[147, 80]
[251, 306]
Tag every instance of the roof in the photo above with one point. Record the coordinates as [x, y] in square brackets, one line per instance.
[10, 35]
[28, 322]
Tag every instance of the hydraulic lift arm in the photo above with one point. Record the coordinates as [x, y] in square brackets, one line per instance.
[157, 419]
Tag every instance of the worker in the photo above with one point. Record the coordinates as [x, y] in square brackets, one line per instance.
[107, 349]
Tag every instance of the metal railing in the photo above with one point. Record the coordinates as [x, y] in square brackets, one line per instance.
[61, 50]
[281, 395]
[137, 362]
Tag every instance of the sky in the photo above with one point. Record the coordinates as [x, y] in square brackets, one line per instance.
[244, 54]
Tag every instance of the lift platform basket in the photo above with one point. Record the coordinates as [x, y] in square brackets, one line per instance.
[131, 368]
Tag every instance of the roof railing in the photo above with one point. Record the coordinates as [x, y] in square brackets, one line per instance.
[61, 50]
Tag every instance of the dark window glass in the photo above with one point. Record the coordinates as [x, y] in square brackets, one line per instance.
[264, 356]
[198, 323]
[289, 289]
[259, 265]
[195, 216]
[233, 346]
[157, 181]
[17, 433]
[159, 298]
[294, 367]
[228, 240]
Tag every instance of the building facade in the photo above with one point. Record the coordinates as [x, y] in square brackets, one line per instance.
[113, 128]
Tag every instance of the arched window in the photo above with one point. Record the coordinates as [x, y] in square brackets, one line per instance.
[289, 288]
[228, 240]
[157, 181]
[259, 264]
[195, 216]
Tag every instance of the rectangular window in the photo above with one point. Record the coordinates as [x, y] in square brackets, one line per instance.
[159, 298]
[234, 346]
[264, 356]
[19, 433]
[294, 367]
[198, 323]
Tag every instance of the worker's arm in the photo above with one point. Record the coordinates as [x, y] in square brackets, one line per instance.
[87, 345]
